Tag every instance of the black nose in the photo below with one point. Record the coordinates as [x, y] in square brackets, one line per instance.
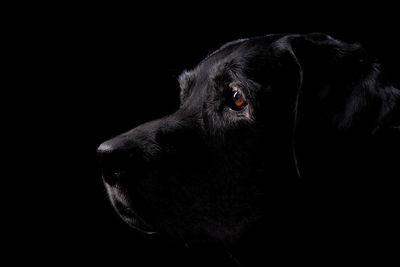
[115, 160]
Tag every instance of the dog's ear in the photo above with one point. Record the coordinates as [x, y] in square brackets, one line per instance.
[340, 100]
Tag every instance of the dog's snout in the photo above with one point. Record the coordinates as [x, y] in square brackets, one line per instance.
[130, 154]
[104, 153]
[113, 158]
[104, 149]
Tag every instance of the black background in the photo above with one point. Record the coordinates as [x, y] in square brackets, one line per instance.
[96, 72]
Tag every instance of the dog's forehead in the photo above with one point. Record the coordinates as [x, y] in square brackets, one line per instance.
[213, 62]
[226, 55]
[212, 65]
[242, 47]
[231, 60]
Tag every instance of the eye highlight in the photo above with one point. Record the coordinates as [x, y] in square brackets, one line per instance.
[238, 100]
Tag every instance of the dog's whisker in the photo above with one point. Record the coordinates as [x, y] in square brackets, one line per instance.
[233, 258]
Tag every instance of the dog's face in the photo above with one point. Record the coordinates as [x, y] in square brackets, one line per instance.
[213, 170]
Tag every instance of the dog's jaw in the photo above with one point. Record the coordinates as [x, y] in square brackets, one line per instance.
[119, 203]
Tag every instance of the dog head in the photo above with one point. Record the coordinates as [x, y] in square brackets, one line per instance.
[254, 116]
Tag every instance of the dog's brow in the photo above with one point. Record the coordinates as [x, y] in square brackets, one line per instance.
[185, 83]
[185, 80]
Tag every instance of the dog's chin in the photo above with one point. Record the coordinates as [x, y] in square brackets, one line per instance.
[129, 216]
[134, 221]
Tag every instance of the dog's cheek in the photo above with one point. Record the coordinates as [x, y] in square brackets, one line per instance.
[197, 206]
[210, 194]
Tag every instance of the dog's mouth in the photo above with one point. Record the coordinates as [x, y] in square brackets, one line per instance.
[134, 220]
[131, 217]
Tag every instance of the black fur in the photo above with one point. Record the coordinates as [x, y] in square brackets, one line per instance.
[312, 156]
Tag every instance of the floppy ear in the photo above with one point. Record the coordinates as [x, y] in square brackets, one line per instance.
[342, 99]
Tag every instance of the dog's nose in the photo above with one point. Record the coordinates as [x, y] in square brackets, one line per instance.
[132, 154]
[113, 161]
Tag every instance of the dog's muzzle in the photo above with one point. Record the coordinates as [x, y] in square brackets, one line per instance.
[115, 158]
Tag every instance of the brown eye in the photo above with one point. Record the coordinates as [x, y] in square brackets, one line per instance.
[238, 99]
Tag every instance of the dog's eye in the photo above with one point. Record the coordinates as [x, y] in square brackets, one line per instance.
[238, 99]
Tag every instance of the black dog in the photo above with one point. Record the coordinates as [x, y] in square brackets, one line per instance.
[280, 139]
